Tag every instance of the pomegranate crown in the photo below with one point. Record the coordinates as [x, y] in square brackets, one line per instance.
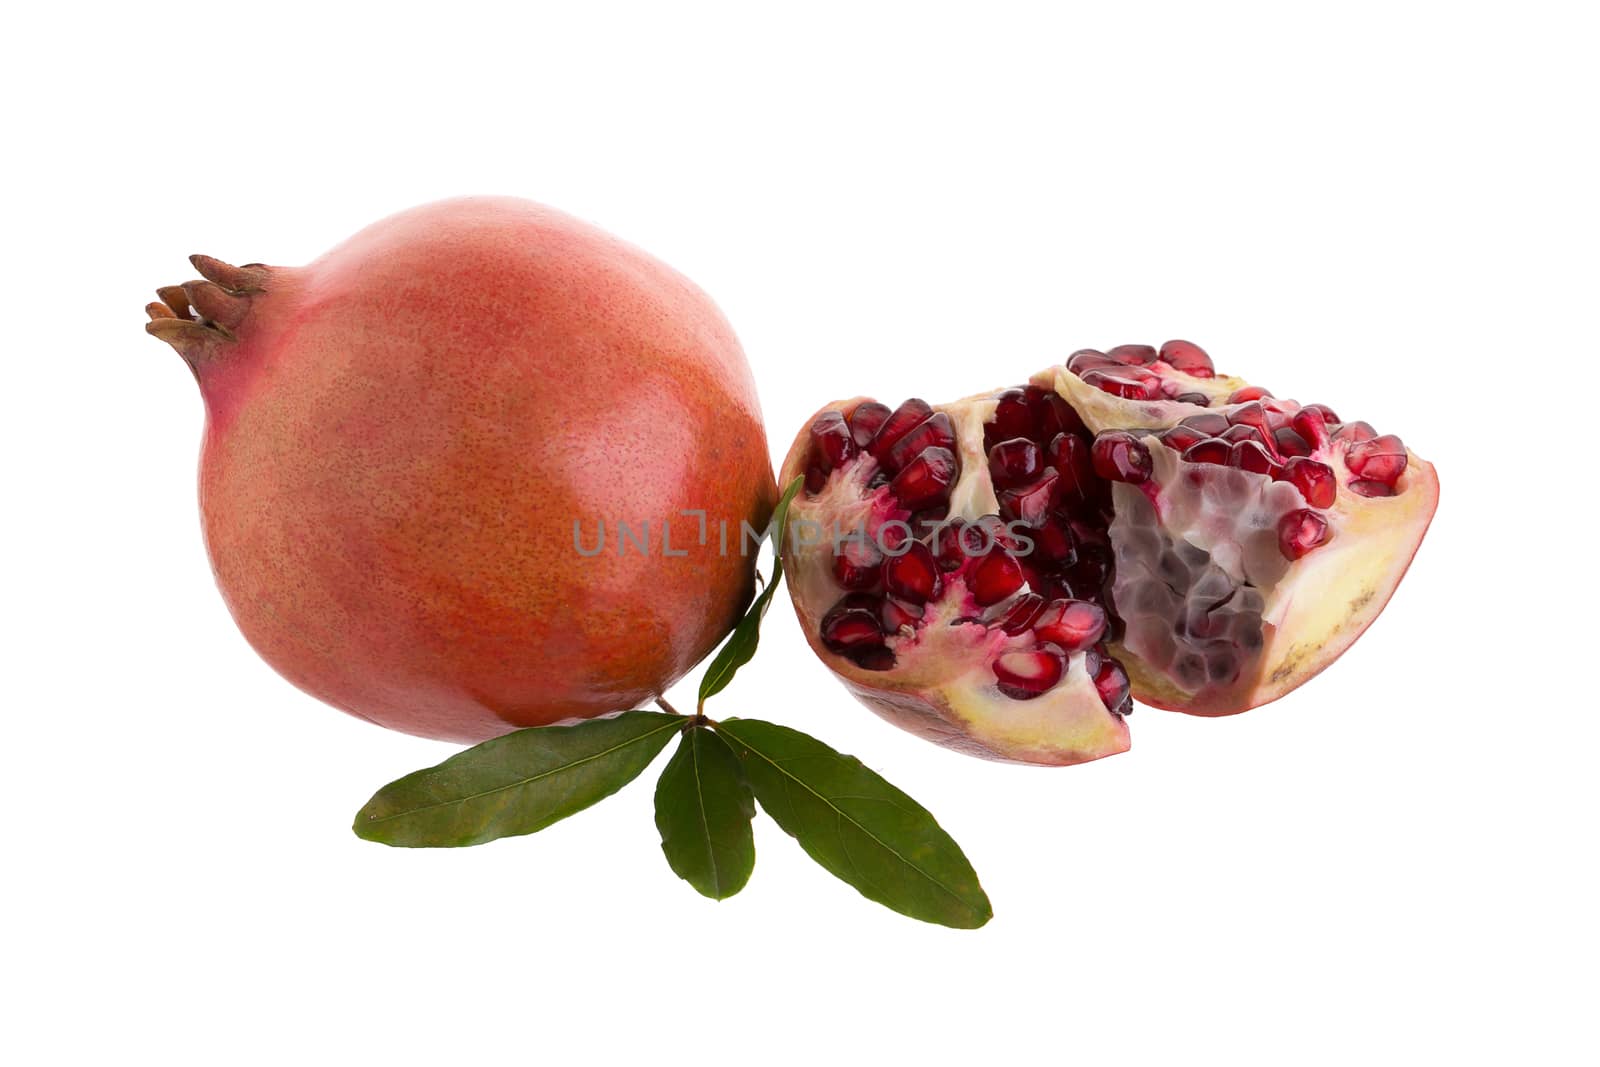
[197, 317]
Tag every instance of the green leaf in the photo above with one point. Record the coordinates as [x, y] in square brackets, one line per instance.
[703, 810]
[741, 644]
[858, 826]
[515, 784]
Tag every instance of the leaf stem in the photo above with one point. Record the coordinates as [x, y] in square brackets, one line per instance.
[661, 702]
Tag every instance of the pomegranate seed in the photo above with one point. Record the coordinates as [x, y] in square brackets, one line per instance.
[1025, 675]
[1112, 682]
[1032, 503]
[1365, 487]
[891, 536]
[977, 539]
[1355, 431]
[1051, 414]
[1290, 443]
[1212, 451]
[1187, 357]
[1382, 459]
[1251, 456]
[857, 563]
[1053, 586]
[1211, 423]
[915, 575]
[1236, 434]
[992, 530]
[1120, 457]
[1012, 418]
[1091, 536]
[994, 577]
[1071, 625]
[851, 624]
[1253, 435]
[901, 421]
[898, 614]
[1124, 384]
[1278, 412]
[1222, 666]
[865, 421]
[1087, 359]
[1092, 660]
[1199, 400]
[926, 480]
[1069, 455]
[1310, 424]
[1247, 394]
[872, 658]
[1052, 541]
[1032, 571]
[1133, 355]
[830, 441]
[1015, 462]
[1019, 615]
[1299, 532]
[1315, 481]
[947, 546]
[816, 478]
[1181, 437]
[1251, 414]
[1325, 411]
[933, 432]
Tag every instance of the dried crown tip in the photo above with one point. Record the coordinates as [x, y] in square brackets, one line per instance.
[215, 304]
[176, 299]
[182, 334]
[247, 279]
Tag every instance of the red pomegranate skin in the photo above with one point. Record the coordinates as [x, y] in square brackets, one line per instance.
[402, 434]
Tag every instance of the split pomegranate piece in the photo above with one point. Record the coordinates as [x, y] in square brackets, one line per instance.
[1130, 525]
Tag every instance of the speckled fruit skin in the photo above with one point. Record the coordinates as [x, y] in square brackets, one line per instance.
[401, 435]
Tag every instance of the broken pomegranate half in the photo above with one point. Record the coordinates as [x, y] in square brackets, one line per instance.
[1006, 573]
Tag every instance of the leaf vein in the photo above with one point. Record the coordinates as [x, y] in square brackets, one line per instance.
[788, 777]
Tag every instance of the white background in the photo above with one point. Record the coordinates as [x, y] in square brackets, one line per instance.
[1389, 208]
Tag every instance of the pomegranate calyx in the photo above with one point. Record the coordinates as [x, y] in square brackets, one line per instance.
[198, 316]
[250, 278]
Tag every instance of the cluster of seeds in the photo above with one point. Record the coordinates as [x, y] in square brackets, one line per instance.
[1137, 372]
[1279, 438]
[1038, 568]
[1042, 567]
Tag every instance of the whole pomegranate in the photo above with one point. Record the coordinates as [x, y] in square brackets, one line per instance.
[471, 470]
[1005, 573]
